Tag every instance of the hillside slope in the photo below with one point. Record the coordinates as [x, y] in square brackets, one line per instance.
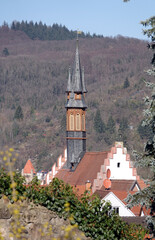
[34, 75]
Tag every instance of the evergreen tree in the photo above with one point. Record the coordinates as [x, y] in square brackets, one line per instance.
[146, 160]
[43, 32]
[109, 137]
[111, 125]
[123, 130]
[126, 83]
[99, 125]
[5, 52]
[145, 131]
[19, 113]
[123, 125]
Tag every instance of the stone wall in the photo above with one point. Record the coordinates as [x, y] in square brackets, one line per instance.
[34, 218]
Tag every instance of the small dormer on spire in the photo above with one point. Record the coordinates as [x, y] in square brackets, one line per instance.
[83, 82]
[69, 84]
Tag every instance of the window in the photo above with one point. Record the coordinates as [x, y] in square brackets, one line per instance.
[78, 96]
[78, 122]
[71, 121]
[115, 210]
[118, 164]
[67, 121]
[83, 122]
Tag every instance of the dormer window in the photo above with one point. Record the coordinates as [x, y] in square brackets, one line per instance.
[78, 96]
[118, 164]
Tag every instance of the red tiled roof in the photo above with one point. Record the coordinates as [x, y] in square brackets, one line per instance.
[28, 167]
[86, 170]
[141, 184]
[121, 185]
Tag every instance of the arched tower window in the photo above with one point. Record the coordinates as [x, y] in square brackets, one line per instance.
[78, 122]
[83, 122]
[67, 122]
[71, 122]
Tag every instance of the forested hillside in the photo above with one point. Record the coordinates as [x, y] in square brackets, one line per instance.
[41, 31]
[33, 79]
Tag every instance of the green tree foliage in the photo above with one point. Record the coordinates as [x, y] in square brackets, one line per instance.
[126, 83]
[146, 197]
[99, 125]
[123, 125]
[15, 129]
[144, 131]
[111, 126]
[43, 32]
[123, 130]
[91, 216]
[19, 113]
[5, 52]
[109, 137]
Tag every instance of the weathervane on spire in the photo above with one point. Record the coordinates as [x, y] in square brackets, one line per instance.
[78, 32]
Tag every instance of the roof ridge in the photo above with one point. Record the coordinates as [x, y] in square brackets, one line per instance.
[97, 152]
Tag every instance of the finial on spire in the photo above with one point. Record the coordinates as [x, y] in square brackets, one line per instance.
[77, 34]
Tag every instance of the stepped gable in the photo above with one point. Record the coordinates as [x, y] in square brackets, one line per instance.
[86, 170]
[28, 167]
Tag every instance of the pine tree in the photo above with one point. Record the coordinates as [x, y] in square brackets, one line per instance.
[126, 83]
[99, 125]
[19, 113]
[146, 160]
[5, 52]
[111, 125]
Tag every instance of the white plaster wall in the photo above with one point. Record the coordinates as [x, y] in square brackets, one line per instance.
[122, 172]
[39, 176]
[116, 202]
[65, 154]
[59, 161]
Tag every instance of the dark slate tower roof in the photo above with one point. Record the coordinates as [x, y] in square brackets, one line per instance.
[77, 75]
[72, 103]
[76, 83]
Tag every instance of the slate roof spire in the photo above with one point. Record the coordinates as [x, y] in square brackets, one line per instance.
[76, 83]
[77, 76]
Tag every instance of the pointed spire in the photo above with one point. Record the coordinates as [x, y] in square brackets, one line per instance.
[76, 84]
[69, 85]
[76, 78]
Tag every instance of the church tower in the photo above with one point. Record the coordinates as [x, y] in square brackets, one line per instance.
[75, 113]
